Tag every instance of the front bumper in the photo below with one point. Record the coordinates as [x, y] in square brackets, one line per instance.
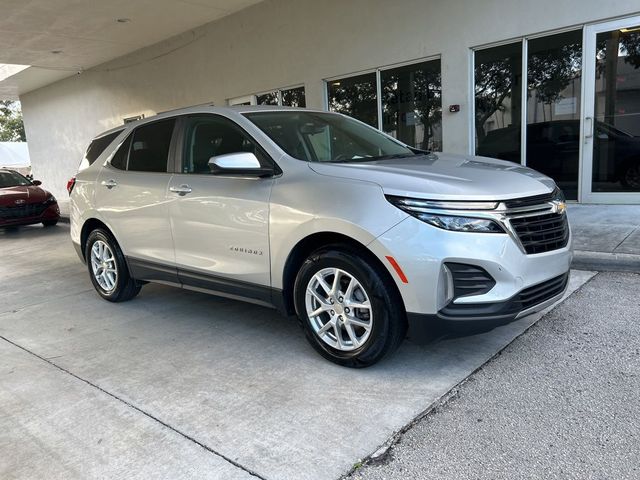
[421, 250]
[475, 318]
[28, 215]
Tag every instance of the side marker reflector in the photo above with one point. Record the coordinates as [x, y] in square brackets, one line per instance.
[397, 268]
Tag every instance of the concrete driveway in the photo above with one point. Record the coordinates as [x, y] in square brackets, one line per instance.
[176, 384]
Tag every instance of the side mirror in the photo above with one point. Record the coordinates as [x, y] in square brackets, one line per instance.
[243, 164]
[37, 183]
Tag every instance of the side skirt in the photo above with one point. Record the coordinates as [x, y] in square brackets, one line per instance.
[206, 283]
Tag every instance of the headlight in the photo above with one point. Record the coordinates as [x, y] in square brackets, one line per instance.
[423, 210]
[50, 200]
[461, 224]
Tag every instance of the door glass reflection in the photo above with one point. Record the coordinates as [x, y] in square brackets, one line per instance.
[412, 104]
[554, 71]
[498, 77]
[355, 96]
[616, 134]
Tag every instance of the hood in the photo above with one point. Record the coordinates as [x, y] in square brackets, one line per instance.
[440, 176]
[28, 193]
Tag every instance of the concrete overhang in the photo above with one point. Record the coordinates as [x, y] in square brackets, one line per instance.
[54, 39]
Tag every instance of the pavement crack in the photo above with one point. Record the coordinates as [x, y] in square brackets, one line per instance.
[624, 239]
[138, 409]
[35, 304]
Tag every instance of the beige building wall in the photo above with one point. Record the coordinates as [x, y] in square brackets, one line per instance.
[279, 43]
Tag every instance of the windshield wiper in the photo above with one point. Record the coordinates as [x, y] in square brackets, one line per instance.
[392, 156]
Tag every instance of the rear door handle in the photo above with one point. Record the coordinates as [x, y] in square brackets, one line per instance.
[181, 190]
[109, 183]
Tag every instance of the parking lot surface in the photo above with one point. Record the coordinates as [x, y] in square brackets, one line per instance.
[560, 402]
[176, 384]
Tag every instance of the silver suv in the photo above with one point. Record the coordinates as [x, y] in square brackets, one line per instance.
[364, 238]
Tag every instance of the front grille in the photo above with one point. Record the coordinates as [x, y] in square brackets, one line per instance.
[542, 292]
[22, 211]
[542, 233]
[532, 201]
[469, 279]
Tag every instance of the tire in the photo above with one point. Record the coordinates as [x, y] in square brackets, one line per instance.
[115, 284]
[328, 331]
[50, 223]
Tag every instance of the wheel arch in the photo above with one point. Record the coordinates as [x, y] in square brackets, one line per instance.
[316, 241]
[87, 227]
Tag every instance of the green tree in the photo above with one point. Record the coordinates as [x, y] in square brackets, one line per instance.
[11, 125]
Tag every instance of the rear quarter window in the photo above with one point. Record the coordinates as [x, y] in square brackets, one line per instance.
[96, 147]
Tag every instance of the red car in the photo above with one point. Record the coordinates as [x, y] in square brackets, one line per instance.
[23, 202]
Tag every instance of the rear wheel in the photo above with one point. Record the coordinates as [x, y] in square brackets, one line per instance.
[348, 307]
[108, 269]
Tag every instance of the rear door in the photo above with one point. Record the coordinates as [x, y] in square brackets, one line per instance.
[132, 196]
[220, 224]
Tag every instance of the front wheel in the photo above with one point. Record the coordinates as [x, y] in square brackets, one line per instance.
[348, 307]
[50, 223]
[108, 269]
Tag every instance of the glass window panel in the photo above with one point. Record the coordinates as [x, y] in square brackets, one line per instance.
[554, 71]
[294, 97]
[412, 104]
[150, 147]
[498, 77]
[98, 146]
[119, 159]
[209, 136]
[322, 137]
[269, 98]
[616, 146]
[356, 97]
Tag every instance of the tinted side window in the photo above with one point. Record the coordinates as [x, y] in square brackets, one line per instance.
[98, 146]
[150, 147]
[210, 136]
[119, 159]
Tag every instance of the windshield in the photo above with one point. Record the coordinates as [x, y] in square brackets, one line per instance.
[12, 179]
[327, 137]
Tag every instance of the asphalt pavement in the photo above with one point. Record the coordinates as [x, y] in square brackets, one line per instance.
[560, 402]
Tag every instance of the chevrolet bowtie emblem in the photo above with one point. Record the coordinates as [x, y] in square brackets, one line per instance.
[560, 207]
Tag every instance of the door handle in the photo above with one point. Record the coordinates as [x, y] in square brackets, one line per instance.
[588, 127]
[181, 190]
[109, 183]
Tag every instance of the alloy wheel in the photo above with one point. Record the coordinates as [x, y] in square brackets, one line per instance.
[339, 309]
[103, 266]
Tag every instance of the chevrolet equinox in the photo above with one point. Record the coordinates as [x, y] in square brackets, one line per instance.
[362, 237]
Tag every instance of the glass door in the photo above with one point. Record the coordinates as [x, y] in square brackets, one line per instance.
[611, 105]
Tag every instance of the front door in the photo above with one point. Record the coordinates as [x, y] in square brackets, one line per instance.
[611, 123]
[220, 224]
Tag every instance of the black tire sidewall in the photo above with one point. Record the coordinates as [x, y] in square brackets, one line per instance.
[376, 288]
[123, 271]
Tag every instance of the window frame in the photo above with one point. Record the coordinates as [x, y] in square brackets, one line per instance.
[253, 98]
[524, 52]
[130, 135]
[113, 134]
[180, 137]
[378, 74]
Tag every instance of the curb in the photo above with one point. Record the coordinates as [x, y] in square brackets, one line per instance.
[605, 262]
